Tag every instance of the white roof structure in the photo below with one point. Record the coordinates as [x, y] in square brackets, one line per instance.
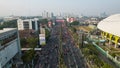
[111, 25]
[6, 29]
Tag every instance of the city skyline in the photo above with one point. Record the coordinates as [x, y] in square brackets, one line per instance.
[78, 7]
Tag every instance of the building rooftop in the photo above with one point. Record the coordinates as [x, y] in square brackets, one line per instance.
[111, 25]
[6, 29]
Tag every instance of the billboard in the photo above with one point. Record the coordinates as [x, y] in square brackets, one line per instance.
[42, 39]
[71, 19]
[60, 20]
[49, 24]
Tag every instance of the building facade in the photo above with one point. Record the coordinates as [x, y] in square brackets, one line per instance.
[71, 19]
[110, 29]
[27, 24]
[9, 47]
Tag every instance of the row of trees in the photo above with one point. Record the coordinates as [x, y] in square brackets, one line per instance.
[9, 24]
[30, 42]
[28, 56]
[92, 55]
[47, 34]
[73, 29]
[43, 21]
[75, 23]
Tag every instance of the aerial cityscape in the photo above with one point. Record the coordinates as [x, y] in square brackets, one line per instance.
[59, 34]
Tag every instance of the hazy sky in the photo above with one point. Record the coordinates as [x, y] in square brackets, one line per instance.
[35, 7]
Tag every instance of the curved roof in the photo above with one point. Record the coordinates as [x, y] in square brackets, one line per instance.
[111, 25]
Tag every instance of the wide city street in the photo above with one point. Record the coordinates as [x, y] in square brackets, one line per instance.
[49, 55]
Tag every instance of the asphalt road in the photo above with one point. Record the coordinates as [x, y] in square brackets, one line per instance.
[49, 56]
[72, 54]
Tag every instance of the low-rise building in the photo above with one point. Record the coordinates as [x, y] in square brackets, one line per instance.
[9, 47]
[27, 24]
[9, 18]
[71, 19]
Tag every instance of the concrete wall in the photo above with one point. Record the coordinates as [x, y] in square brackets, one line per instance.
[8, 52]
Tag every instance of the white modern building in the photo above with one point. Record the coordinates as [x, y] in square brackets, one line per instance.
[9, 47]
[110, 28]
[27, 24]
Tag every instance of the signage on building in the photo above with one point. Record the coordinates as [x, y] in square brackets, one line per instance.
[49, 24]
[42, 39]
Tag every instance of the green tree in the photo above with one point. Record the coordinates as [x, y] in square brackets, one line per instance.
[73, 29]
[86, 51]
[32, 42]
[74, 23]
[43, 21]
[23, 42]
[28, 56]
[107, 66]
[47, 34]
[9, 24]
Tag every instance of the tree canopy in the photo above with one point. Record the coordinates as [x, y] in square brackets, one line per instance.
[29, 42]
[28, 56]
[9, 24]
[43, 21]
[47, 33]
[75, 23]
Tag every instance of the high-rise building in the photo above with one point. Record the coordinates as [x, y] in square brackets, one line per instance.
[103, 15]
[27, 24]
[52, 15]
[45, 14]
[9, 47]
